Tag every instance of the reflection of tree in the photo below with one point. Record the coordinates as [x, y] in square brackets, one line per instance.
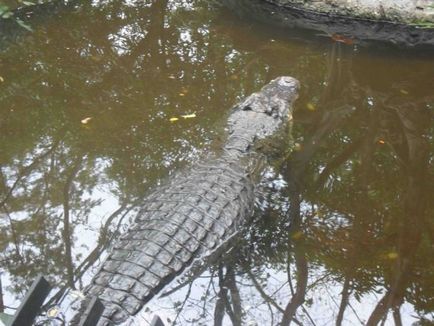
[414, 159]
[52, 193]
[362, 176]
[361, 185]
[388, 147]
[50, 165]
[229, 300]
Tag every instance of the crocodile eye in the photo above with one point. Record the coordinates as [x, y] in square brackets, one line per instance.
[273, 111]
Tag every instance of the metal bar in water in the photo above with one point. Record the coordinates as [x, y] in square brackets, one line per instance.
[32, 302]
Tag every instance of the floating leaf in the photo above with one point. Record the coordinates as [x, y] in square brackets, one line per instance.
[381, 141]
[342, 39]
[181, 94]
[403, 91]
[189, 116]
[233, 77]
[172, 77]
[173, 119]
[86, 120]
[1, 79]
[310, 106]
[392, 255]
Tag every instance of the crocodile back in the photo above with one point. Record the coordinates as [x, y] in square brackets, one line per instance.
[186, 219]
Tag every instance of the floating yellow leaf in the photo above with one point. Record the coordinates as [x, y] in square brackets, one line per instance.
[181, 94]
[189, 116]
[392, 255]
[173, 119]
[172, 77]
[1, 79]
[86, 120]
[403, 91]
[310, 106]
[381, 141]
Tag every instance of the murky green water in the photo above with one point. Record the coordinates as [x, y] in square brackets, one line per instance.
[85, 132]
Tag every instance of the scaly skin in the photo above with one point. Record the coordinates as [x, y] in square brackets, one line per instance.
[195, 213]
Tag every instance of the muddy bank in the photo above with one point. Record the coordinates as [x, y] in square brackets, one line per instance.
[358, 25]
[412, 12]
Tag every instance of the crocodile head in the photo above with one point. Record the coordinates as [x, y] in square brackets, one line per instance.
[261, 114]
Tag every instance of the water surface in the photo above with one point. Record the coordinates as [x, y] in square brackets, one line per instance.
[344, 230]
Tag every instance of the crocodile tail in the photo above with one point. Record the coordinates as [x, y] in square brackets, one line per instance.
[187, 219]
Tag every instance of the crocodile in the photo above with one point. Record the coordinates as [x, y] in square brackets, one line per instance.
[195, 212]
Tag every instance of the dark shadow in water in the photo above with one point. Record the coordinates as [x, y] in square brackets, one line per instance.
[291, 16]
